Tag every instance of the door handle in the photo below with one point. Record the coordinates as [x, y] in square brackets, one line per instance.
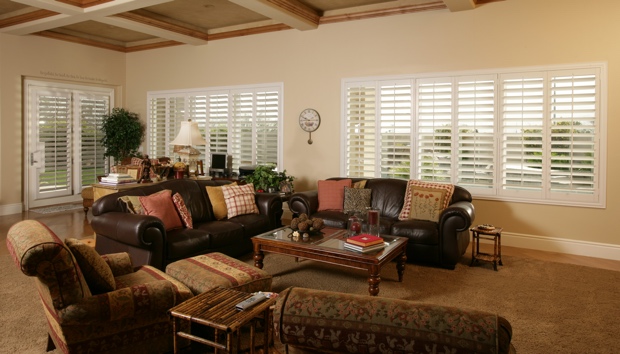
[32, 160]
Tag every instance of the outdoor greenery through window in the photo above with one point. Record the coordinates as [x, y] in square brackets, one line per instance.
[242, 121]
[533, 135]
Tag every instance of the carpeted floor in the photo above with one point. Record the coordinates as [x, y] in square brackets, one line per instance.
[553, 307]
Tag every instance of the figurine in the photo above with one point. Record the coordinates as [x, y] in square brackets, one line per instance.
[145, 176]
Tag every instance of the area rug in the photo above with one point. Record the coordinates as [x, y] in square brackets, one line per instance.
[552, 307]
[57, 208]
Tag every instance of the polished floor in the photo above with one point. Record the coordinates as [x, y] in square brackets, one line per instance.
[76, 224]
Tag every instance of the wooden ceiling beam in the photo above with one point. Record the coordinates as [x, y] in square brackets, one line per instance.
[289, 12]
[460, 5]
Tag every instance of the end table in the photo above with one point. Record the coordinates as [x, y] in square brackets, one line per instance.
[486, 234]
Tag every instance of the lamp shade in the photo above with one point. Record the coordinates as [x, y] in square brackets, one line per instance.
[189, 135]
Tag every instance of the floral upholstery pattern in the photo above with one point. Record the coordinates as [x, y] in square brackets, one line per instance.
[96, 271]
[204, 272]
[324, 321]
[129, 319]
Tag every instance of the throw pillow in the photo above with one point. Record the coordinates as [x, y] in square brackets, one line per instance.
[331, 194]
[186, 217]
[132, 204]
[160, 205]
[356, 199]
[425, 200]
[216, 197]
[96, 271]
[240, 200]
[360, 184]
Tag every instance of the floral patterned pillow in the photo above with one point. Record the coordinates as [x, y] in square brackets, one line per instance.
[425, 200]
[186, 217]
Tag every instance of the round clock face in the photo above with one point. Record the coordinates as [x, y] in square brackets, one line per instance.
[309, 120]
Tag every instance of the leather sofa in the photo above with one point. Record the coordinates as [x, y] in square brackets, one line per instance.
[439, 243]
[317, 321]
[146, 240]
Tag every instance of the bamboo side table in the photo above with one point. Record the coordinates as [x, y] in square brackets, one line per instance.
[486, 234]
[215, 308]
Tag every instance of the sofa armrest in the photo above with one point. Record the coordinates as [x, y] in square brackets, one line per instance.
[457, 217]
[304, 202]
[155, 297]
[130, 229]
[270, 204]
[120, 263]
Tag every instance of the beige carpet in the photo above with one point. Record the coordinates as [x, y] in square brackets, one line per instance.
[553, 307]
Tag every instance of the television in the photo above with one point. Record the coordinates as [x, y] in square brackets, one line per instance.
[218, 162]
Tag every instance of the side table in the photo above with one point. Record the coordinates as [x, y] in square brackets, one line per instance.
[215, 308]
[486, 234]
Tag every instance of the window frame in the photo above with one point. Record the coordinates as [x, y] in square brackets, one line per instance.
[594, 197]
[211, 95]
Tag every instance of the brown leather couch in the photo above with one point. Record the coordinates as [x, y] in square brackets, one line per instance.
[436, 243]
[146, 240]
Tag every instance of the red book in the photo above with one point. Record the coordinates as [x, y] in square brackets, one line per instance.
[365, 240]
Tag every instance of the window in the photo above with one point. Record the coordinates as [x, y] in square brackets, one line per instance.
[244, 122]
[532, 135]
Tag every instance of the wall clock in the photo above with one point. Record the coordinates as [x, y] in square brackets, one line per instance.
[309, 121]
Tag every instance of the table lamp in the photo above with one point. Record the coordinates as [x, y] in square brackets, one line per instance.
[188, 136]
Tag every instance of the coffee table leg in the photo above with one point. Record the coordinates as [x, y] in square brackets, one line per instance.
[400, 266]
[258, 258]
[373, 281]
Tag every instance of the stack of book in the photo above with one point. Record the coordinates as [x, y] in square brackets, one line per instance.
[364, 243]
[117, 178]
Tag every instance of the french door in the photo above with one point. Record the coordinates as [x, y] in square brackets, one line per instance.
[63, 136]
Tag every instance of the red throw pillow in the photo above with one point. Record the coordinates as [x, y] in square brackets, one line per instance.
[160, 205]
[186, 217]
[331, 194]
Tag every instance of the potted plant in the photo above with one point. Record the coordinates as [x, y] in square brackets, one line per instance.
[123, 132]
[266, 179]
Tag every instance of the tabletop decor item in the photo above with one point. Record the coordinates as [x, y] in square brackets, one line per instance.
[304, 224]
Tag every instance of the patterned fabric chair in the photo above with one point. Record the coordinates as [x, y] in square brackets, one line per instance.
[331, 322]
[92, 303]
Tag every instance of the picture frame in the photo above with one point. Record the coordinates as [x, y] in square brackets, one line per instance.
[134, 172]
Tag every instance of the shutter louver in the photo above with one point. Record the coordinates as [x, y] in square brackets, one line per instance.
[54, 132]
[93, 162]
[361, 130]
[242, 128]
[157, 127]
[395, 127]
[476, 133]
[267, 113]
[434, 136]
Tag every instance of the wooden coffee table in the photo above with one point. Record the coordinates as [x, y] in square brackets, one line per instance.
[328, 248]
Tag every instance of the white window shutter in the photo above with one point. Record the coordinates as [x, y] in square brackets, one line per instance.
[360, 130]
[395, 118]
[92, 109]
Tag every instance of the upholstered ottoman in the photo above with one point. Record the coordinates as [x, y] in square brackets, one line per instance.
[206, 271]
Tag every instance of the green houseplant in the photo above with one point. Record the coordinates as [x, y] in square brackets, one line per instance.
[123, 132]
[265, 178]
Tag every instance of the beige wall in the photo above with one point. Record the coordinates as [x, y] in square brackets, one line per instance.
[311, 65]
[37, 57]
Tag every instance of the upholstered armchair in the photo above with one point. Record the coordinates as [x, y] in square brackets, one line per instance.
[93, 303]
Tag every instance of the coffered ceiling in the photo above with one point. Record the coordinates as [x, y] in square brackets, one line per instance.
[134, 25]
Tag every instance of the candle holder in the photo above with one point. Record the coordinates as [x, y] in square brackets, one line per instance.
[354, 225]
[373, 224]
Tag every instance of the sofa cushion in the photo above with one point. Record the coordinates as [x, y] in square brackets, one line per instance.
[331, 194]
[359, 184]
[132, 204]
[179, 204]
[160, 205]
[216, 197]
[417, 231]
[240, 200]
[96, 271]
[356, 199]
[426, 200]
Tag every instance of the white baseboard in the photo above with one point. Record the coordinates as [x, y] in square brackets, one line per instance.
[8, 209]
[562, 245]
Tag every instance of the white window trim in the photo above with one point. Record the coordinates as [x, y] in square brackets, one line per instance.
[599, 197]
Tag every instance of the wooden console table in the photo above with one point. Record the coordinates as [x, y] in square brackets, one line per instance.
[102, 189]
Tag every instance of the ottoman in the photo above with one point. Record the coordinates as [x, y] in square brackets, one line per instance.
[206, 271]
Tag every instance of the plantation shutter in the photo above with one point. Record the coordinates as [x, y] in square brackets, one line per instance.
[218, 123]
[156, 133]
[54, 128]
[475, 108]
[522, 133]
[434, 133]
[573, 106]
[176, 115]
[197, 112]
[396, 105]
[267, 113]
[242, 129]
[360, 130]
[92, 108]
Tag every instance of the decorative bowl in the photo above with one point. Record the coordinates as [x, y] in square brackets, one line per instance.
[486, 227]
